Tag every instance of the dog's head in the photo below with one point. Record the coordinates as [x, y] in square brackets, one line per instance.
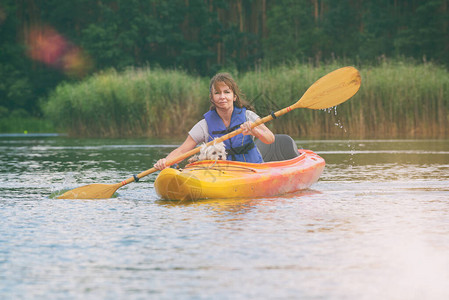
[213, 152]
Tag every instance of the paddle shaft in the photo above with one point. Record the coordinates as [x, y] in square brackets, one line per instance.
[217, 140]
[339, 86]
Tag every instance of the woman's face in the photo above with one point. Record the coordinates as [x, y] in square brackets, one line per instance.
[222, 96]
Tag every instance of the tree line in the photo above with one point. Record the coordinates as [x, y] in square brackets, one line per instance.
[45, 42]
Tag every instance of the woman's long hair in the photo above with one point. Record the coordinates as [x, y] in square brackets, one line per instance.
[227, 79]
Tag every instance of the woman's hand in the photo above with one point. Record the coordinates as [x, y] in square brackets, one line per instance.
[161, 164]
[261, 132]
[246, 127]
[188, 145]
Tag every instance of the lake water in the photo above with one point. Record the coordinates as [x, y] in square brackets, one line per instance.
[376, 226]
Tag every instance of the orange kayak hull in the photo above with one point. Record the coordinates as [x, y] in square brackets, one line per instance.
[228, 179]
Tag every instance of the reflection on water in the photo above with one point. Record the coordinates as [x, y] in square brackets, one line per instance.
[376, 226]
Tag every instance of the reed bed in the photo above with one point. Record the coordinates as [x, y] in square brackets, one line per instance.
[134, 103]
[396, 99]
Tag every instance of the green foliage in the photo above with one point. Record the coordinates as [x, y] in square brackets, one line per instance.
[323, 30]
[136, 102]
[294, 18]
[22, 82]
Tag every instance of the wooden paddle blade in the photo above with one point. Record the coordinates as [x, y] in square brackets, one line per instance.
[331, 89]
[92, 191]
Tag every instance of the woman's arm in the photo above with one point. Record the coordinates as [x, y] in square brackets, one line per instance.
[188, 145]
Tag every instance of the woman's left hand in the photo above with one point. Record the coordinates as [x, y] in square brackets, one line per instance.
[261, 132]
[246, 127]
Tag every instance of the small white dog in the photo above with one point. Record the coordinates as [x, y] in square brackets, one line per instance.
[212, 152]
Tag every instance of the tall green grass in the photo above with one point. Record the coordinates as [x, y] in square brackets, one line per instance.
[133, 103]
[396, 99]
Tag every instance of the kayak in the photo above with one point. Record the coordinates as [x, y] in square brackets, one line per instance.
[231, 179]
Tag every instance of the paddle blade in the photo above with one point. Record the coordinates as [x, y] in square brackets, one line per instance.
[331, 89]
[91, 191]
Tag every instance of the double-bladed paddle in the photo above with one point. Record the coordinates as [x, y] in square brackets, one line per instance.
[328, 91]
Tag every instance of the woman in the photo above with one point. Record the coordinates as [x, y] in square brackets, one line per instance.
[227, 113]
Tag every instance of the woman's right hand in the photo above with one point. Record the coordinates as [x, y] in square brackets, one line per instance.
[161, 164]
[188, 145]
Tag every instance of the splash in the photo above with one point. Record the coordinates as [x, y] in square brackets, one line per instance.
[330, 110]
[46, 45]
[338, 123]
[57, 190]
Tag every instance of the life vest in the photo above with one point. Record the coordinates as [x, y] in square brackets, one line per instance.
[240, 147]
